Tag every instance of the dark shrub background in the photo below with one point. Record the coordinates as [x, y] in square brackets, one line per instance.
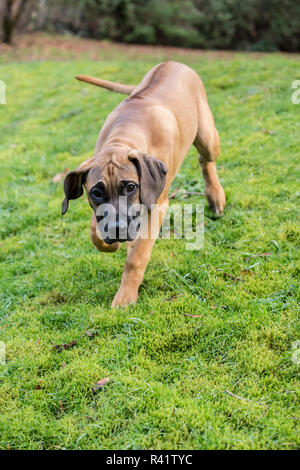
[260, 25]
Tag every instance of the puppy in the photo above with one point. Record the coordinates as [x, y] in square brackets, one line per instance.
[138, 153]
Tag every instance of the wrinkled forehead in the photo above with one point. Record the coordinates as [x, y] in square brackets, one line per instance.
[112, 173]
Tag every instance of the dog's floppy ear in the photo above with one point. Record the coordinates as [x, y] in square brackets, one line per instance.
[73, 186]
[152, 173]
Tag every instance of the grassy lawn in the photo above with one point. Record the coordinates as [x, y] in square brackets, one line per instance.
[170, 374]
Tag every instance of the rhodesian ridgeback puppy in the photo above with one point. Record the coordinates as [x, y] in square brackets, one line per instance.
[138, 153]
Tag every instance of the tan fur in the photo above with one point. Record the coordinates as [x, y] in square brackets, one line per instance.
[164, 115]
[117, 87]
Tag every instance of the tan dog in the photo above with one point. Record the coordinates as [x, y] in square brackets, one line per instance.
[138, 153]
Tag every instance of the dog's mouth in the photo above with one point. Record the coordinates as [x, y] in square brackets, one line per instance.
[110, 241]
[121, 239]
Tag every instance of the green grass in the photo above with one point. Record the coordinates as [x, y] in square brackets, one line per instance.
[168, 372]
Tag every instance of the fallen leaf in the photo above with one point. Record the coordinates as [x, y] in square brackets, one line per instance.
[219, 306]
[60, 347]
[192, 315]
[38, 386]
[101, 384]
[230, 276]
[246, 272]
[63, 365]
[60, 176]
[173, 297]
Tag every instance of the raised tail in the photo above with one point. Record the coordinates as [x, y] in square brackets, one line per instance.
[117, 87]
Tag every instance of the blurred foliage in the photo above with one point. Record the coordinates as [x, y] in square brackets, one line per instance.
[227, 24]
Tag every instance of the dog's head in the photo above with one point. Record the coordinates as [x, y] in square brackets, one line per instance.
[116, 186]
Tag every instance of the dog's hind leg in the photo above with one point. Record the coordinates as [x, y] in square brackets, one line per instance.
[207, 142]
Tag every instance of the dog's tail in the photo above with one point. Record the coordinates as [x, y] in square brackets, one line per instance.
[117, 87]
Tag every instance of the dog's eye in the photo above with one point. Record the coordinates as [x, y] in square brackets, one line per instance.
[130, 187]
[96, 193]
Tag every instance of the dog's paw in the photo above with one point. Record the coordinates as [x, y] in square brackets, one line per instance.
[124, 297]
[216, 200]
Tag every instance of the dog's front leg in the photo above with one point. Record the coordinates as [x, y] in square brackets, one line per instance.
[138, 256]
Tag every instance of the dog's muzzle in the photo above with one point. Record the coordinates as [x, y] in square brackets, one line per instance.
[119, 231]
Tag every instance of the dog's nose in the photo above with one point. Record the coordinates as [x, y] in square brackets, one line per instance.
[117, 231]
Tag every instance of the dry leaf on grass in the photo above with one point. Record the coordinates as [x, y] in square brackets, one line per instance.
[60, 347]
[101, 384]
[38, 386]
[173, 297]
[60, 176]
[246, 272]
[230, 276]
[192, 315]
[268, 132]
